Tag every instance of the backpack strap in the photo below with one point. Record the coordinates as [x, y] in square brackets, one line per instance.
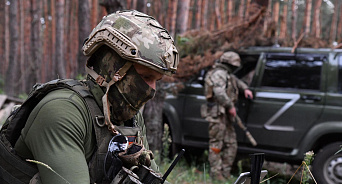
[15, 170]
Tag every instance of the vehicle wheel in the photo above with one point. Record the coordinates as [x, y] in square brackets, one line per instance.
[327, 166]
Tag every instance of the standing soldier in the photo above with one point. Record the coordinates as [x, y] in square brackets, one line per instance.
[221, 90]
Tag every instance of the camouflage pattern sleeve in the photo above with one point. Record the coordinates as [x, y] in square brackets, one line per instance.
[240, 84]
[219, 78]
[140, 122]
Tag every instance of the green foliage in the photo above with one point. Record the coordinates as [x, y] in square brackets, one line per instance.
[23, 96]
[190, 173]
[80, 77]
[166, 142]
[184, 44]
[309, 157]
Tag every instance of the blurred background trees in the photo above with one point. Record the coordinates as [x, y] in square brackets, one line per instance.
[41, 39]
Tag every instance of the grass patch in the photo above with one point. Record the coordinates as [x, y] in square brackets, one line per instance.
[194, 173]
[193, 168]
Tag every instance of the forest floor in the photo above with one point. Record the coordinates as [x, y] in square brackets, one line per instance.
[197, 172]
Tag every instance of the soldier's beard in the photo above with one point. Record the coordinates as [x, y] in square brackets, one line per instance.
[128, 95]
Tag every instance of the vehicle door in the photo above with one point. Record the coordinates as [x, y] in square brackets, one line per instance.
[288, 98]
[194, 127]
[333, 105]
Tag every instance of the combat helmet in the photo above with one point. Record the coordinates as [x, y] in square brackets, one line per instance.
[136, 37]
[231, 58]
[133, 37]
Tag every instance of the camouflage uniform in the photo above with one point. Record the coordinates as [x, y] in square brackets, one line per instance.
[221, 90]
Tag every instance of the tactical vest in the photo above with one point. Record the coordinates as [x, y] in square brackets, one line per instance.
[211, 110]
[15, 170]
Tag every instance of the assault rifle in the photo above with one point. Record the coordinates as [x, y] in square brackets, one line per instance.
[238, 121]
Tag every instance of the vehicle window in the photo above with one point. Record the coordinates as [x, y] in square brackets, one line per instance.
[340, 73]
[292, 73]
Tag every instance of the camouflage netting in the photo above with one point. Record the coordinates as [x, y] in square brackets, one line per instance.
[199, 48]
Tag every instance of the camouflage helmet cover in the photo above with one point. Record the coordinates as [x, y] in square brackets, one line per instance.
[136, 37]
[231, 58]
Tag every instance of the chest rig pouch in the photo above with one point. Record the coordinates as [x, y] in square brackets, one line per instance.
[97, 166]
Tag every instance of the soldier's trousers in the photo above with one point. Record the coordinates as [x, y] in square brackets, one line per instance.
[222, 147]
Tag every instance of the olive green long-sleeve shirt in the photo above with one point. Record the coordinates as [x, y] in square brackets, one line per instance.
[59, 133]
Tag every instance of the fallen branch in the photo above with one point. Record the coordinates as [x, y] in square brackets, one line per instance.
[338, 46]
[297, 42]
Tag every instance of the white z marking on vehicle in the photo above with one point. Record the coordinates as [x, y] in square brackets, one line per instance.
[293, 99]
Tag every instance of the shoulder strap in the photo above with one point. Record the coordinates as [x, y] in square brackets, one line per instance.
[14, 170]
[17, 120]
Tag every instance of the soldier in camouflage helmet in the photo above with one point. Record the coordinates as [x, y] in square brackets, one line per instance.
[128, 52]
[221, 90]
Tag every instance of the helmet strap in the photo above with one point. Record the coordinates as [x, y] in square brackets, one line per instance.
[106, 108]
[98, 78]
[102, 82]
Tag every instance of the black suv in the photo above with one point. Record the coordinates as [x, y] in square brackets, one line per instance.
[297, 107]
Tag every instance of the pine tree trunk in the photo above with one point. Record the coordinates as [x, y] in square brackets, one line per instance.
[294, 21]
[283, 26]
[182, 16]
[21, 42]
[332, 36]
[172, 16]
[158, 12]
[212, 17]
[222, 12]
[339, 27]
[67, 45]
[191, 14]
[128, 4]
[275, 12]
[248, 4]
[30, 70]
[83, 32]
[198, 16]
[36, 53]
[204, 14]
[74, 33]
[242, 9]
[267, 18]
[218, 14]
[230, 8]
[60, 39]
[94, 13]
[12, 71]
[47, 54]
[316, 24]
[134, 4]
[308, 16]
[2, 37]
[53, 64]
